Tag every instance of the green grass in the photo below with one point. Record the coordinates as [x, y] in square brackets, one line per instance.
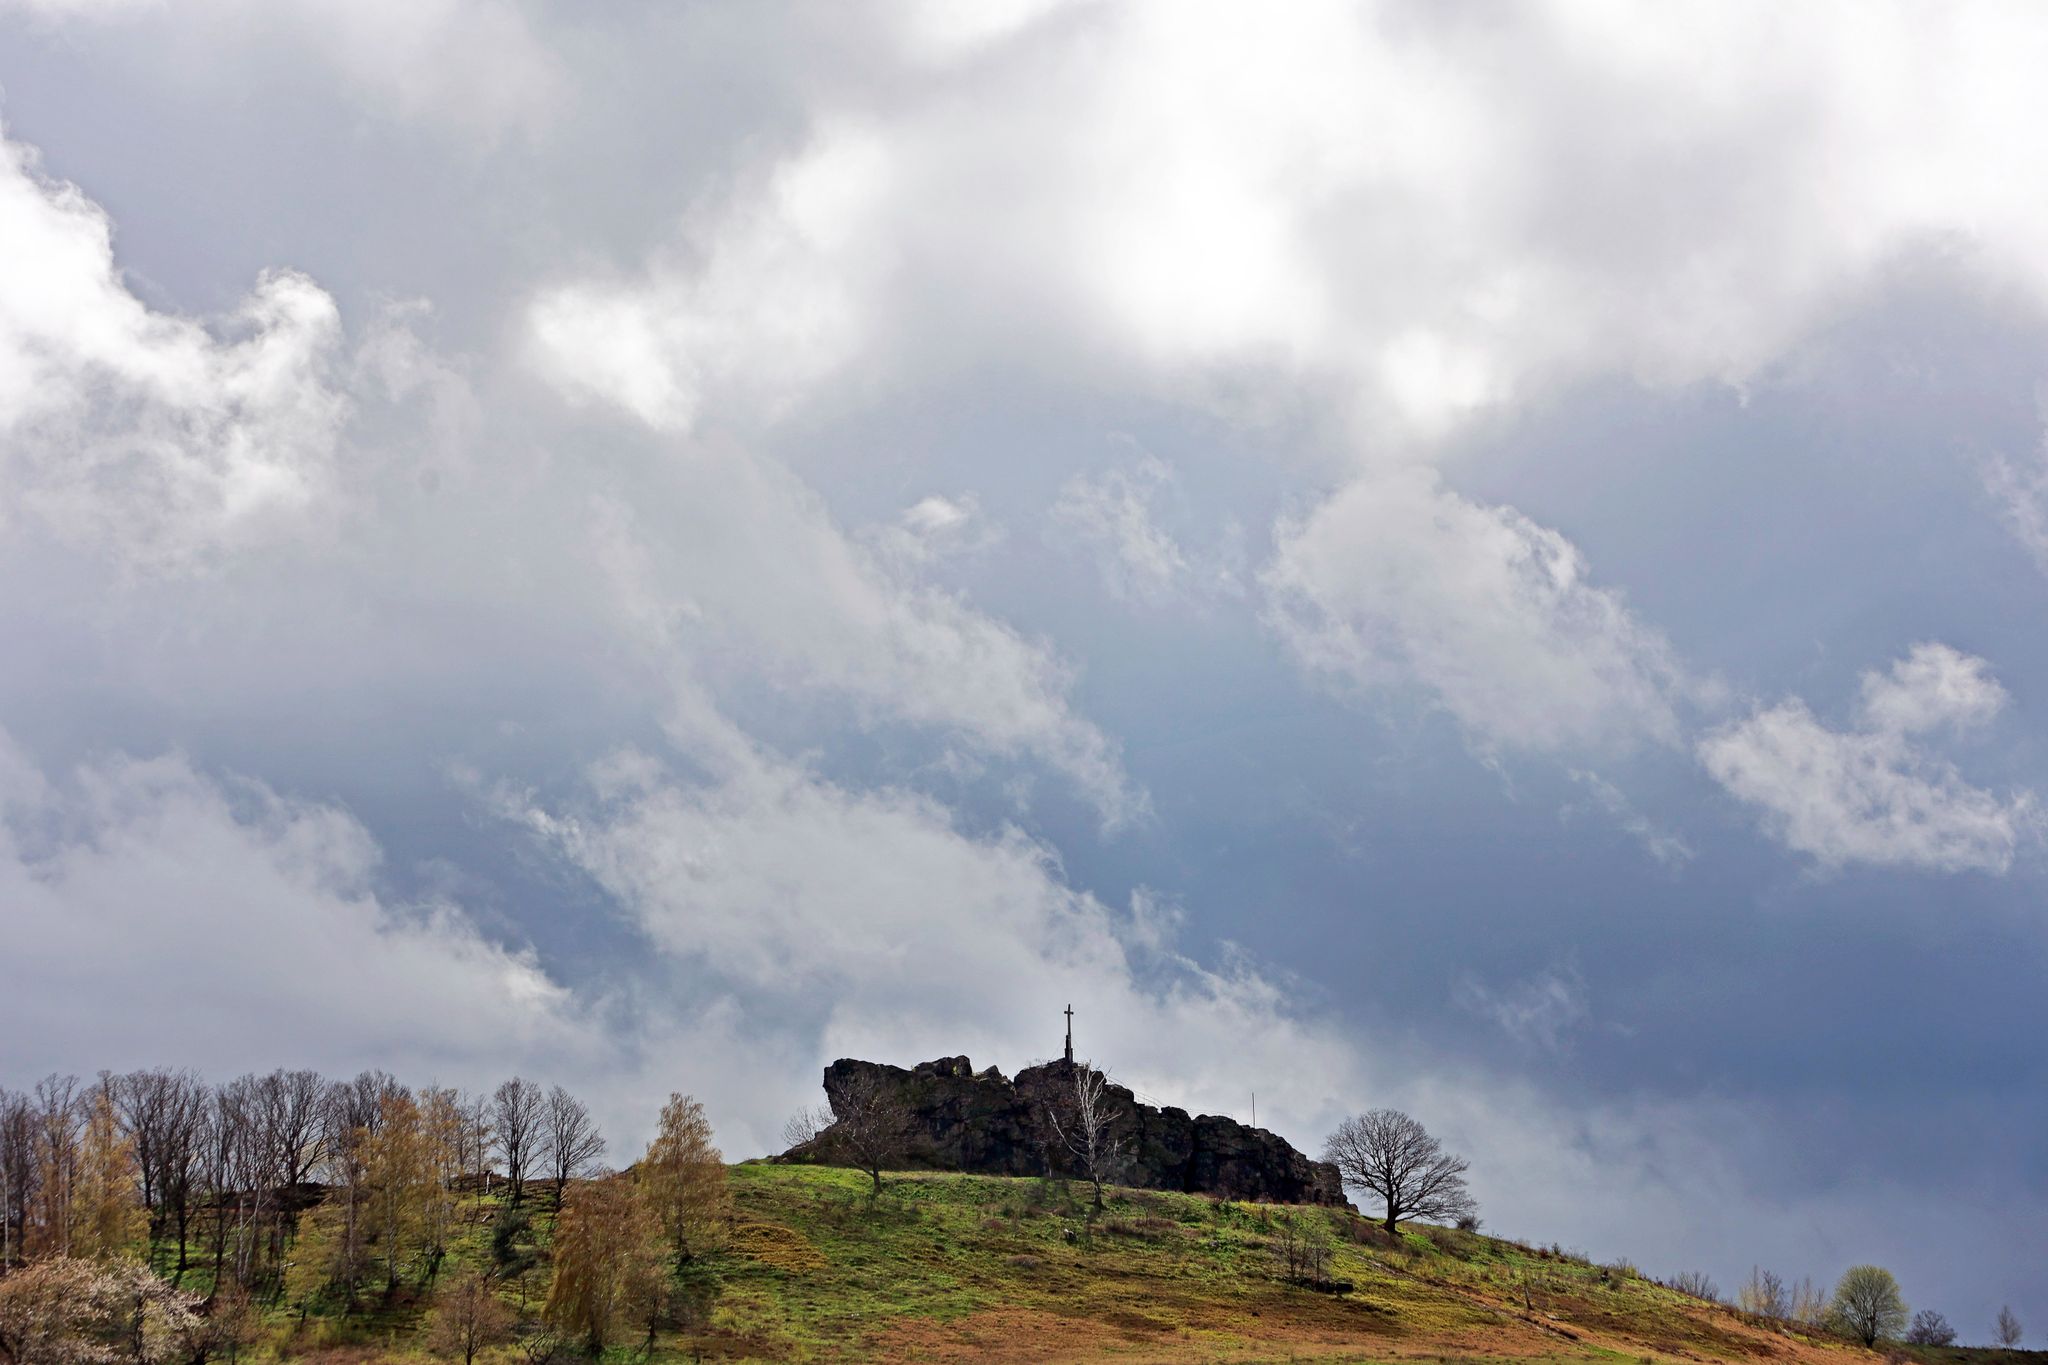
[951, 1267]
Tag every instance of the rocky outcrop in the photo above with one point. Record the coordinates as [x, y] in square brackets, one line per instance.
[960, 1119]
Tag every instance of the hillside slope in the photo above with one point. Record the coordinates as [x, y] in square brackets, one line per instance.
[952, 1267]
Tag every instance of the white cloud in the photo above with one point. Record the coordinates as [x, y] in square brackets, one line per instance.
[933, 528]
[747, 576]
[1397, 578]
[238, 926]
[1934, 687]
[147, 435]
[1541, 1012]
[1112, 513]
[1876, 794]
[2019, 489]
[476, 65]
[1421, 216]
[160, 445]
[753, 311]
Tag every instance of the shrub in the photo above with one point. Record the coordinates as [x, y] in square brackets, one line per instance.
[1697, 1284]
[1930, 1329]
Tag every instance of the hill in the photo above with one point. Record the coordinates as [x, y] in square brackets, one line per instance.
[958, 1267]
[811, 1265]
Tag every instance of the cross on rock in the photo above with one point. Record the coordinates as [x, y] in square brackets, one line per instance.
[1070, 1033]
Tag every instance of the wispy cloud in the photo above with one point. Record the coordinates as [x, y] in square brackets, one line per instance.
[1877, 793]
[1541, 1012]
[1663, 845]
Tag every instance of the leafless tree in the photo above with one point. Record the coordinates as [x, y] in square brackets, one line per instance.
[2009, 1332]
[1302, 1245]
[468, 1317]
[1393, 1158]
[58, 1120]
[869, 1124]
[354, 1115]
[1809, 1303]
[473, 1138]
[142, 1100]
[1696, 1283]
[570, 1139]
[517, 1112]
[221, 1150]
[1085, 1123]
[17, 1172]
[289, 1104]
[164, 1115]
[805, 1127]
[1764, 1294]
[1930, 1329]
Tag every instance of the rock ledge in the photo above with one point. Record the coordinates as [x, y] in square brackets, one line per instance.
[981, 1122]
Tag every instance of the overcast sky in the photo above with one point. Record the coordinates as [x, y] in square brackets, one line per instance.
[1486, 559]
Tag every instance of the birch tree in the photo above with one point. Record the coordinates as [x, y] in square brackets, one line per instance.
[1089, 1128]
[683, 1176]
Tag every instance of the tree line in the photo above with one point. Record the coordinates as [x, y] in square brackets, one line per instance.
[293, 1189]
[1866, 1305]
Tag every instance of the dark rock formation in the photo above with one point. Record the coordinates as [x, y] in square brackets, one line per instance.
[958, 1119]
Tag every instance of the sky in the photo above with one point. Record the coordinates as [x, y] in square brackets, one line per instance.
[1485, 559]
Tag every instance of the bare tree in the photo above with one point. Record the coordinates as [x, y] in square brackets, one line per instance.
[571, 1140]
[1930, 1329]
[1764, 1294]
[1393, 1158]
[220, 1152]
[58, 1121]
[468, 1317]
[289, 1106]
[1088, 1127]
[2009, 1332]
[473, 1138]
[1809, 1303]
[805, 1127]
[164, 1115]
[1697, 1284]
[141, 1101]
[1302, 1246]
[869, 1124]
[17, 1173]
[517, 1110]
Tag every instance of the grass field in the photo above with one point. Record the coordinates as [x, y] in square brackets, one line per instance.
[952, 1267]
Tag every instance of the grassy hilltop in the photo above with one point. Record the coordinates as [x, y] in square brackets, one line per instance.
[949, 1267]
